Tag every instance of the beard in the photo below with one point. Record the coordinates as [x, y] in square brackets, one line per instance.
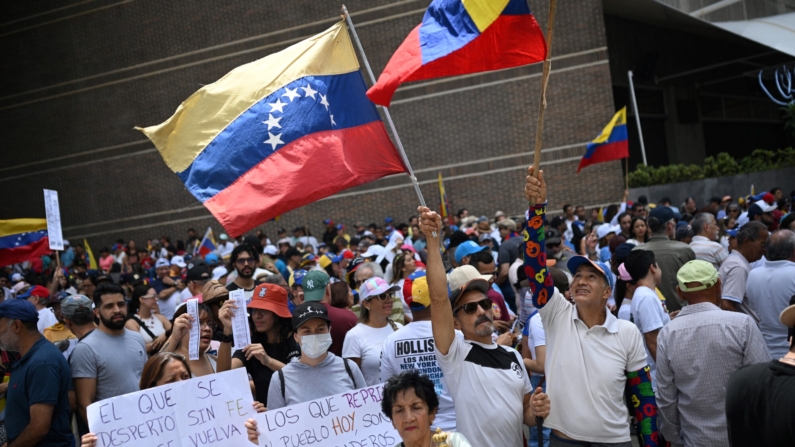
[245, 272]
[9, 343]
[485, 330]
[113, 323]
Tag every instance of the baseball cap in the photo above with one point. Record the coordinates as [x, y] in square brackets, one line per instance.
[325, 261]
[19, 310]
[464, 278]
[374, 287]
[179, 261]
[308, 259]
[344, 254]
[328, 222]
[499, 214]
[314, 284]
[552, 236]
[484, 237]
[663, 214]
[697, 271]
[198, 272]
[73, 304]
[408, 247]
[162, 262]
[284, 240]
[606, 229]
[467, 248]
[307, 311]
[219, 271]
[223, 236]
[416, 292]
[16, 277]
[352, 267]
[39, 291]
[270, 297]
[373, 251]
[507, 223]
[20, 287]
[576, 262]
[214, 291]
[732, 233]
[211, 258]
[296, 278]
[270, 250]
[683, 232]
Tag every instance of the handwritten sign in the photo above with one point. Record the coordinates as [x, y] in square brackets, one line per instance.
[195, 329]
[240, 329]
[53, 211]
[352, 419]
[205, 411]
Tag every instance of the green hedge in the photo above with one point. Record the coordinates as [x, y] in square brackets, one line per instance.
[721, 166]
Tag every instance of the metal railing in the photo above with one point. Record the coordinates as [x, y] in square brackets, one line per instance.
[731, 10]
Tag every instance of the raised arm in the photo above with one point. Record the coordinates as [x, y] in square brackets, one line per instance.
[642, 396]
[441, 309]
[535, 255]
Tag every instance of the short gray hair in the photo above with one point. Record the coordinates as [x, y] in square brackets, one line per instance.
[373, 267]
[781, 245]
[750, 231]
[699, 221]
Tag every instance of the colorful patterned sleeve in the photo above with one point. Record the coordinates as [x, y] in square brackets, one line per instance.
[535, 256]
[642, 396]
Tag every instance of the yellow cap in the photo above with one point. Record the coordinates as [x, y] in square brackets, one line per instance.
[697, 271]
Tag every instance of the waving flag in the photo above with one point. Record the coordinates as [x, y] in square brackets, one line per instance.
[22, 239]
[278, 133]
[463, 36]
[208, 244]
[92, 261]
[611, 144]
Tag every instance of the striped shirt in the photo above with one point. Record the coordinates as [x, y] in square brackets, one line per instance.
[710, 251]
[696, 353]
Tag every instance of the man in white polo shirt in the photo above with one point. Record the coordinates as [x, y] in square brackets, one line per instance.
[592, 355]
[490, 388]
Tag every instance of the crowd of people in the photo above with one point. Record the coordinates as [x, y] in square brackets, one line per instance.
[673, 324]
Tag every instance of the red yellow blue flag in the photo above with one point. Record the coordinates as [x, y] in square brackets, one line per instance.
[611, 144]
[207, 244]
[278, 133]
[22, 239]
[457, 37]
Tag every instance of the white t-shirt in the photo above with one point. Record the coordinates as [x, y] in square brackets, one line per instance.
[648, 315]
[412, 348]
[535, 334]
[488, 384]
[625, 311]
[586, 372]
[46, 319]
[364, 342]
[169, 305]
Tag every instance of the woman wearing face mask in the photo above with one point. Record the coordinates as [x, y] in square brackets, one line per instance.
[162, 368]
[179, 341]
[318, 373]
[363, 342]
[272, 344]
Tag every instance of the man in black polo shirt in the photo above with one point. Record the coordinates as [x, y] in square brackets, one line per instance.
[37, 406]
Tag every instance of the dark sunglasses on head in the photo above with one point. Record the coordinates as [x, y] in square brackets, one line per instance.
[470, 308]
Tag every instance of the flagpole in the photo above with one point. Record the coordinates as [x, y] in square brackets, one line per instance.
[637, 116]
[385, 109]
[626, 170]
[542, 103]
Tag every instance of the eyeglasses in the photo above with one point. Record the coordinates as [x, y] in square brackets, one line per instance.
[384, 297]
[470, 308]
[243, 261]
[209, 323]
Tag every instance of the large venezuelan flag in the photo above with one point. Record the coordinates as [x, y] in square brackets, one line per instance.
[22, 239]
[611, 144]
[278, 133]
[463, 36]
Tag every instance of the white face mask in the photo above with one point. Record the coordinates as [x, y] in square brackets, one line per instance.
[315, 345]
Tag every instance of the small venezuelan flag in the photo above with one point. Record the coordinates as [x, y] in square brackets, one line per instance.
[22, 239]
[611, 144]
[457, 37]
[208, 244]
[278, 133]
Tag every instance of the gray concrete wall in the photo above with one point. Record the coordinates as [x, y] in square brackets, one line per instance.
[735, 186]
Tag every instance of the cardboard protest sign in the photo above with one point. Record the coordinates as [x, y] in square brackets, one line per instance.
[352, 419]
[205, 411]
[53, 213]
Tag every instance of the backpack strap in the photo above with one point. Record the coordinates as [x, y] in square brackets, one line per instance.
[350, 373]
[281, 382]
[144, 327]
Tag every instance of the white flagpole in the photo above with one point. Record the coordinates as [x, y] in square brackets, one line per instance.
[637, 117]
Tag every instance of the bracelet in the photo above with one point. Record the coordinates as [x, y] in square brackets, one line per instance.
[227, 338]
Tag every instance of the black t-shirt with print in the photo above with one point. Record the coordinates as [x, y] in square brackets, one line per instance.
[261, 374]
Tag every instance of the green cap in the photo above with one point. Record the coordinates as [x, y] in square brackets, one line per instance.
[314, 284]
[697, 271]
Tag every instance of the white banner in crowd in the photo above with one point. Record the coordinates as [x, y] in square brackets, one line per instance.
[205, 411]
[352, 419]
[53, 213]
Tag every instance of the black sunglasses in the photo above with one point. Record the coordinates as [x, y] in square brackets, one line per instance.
[470, 308]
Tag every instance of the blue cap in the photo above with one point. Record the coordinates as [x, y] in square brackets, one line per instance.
[388, 220]
[22, 310]
[576, 262]
[732, 233]
[327, 222]
[466, 249]
[211, 258]
[662, 214]
[297, 278]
